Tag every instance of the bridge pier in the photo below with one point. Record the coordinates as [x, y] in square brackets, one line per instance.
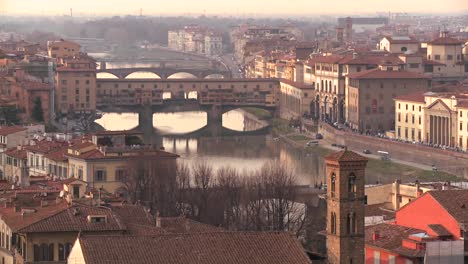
[214, 115]
[145, 125]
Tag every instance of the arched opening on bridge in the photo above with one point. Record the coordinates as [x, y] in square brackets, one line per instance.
[179, 123]
[182, 75]
[106, 75]
[118, 121]
[143, 75]
[214, 76]
[167, 96]
[192, 95]
[246, 119]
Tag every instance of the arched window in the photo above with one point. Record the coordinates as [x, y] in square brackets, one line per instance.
[348, 224]
[321, 85]
[61, 255]
[353, 223]
[329, 86]
[333, 184]
[68, 247]
[352, 183]
[333, 223]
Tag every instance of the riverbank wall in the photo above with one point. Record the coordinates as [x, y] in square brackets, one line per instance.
[449, 161]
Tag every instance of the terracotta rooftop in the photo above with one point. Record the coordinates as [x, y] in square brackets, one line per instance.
[17, 153]
[380, 74]
[58, 155]
[455, 202]
[391, 237]
[75, 219]
[402, 40]
[134, 214]
[7, 130]
[345, 155]
[219, 248]
[413, 97]
[16, 221]
[446, 41]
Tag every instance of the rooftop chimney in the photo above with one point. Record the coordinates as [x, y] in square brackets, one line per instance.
[158, 219]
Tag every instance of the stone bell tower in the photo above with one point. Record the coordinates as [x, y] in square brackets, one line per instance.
[345, 172]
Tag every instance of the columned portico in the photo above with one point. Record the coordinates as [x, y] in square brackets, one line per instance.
[440, 132]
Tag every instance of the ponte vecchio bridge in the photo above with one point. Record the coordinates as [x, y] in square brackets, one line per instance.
[214, 96]
[165, 73]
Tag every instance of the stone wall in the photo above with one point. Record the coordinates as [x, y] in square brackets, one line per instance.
[445, 160]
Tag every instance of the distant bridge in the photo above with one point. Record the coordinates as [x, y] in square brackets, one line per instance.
[165, 72]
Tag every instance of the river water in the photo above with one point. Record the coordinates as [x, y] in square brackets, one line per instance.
[245, 153]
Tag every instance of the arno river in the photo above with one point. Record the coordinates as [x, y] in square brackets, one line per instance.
[242, 152]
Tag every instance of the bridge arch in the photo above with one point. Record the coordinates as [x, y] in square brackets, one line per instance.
[106, 75]
[182, 75]
[214, 76]
[143, 75]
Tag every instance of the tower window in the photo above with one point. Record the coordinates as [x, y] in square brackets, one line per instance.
[351, 223]
[352, 183]
[333, 184]
[333, 223]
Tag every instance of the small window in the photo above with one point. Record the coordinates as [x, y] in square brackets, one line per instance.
[437, 57]
[449, 57]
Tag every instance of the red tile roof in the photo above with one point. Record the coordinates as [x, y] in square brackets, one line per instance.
[16, 221]
[446, 41]
[413, 97]
[219, 248]
[75, 219]
[409, 40]
[58, 155]
[379, 74]
[7, 130]
[17, 153]
[391, 237]
[455, 202]
[345, 155]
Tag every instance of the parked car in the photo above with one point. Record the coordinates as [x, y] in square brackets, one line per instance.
[318, 136]
[341, 146]
[312, 143]
[366, 151]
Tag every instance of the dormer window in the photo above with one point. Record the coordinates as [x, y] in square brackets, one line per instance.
[97, 218]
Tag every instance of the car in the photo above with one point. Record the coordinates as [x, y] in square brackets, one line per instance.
[312, 143]
[318, 136]
[333, 145]
[341, 146]
[366, 151]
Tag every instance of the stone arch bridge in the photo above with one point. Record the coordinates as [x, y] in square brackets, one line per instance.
[165, 73]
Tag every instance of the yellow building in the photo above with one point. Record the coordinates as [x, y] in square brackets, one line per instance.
[409, 117]
[107, 167]
[62, 49]
[434, 118]
[446, 53]
[75, 86]
[400, 44]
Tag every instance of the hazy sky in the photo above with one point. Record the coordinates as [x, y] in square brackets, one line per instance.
[227, 6]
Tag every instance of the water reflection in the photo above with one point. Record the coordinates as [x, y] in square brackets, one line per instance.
[247, 154]
[118, 121]
[179, 122]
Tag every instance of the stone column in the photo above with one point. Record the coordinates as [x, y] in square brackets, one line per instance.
[442, 126]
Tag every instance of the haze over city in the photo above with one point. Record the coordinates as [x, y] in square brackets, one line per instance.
[108, 7]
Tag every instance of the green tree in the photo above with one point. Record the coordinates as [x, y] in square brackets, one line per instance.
[37, 112]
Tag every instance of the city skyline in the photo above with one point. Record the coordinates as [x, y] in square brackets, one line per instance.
[240, 7]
